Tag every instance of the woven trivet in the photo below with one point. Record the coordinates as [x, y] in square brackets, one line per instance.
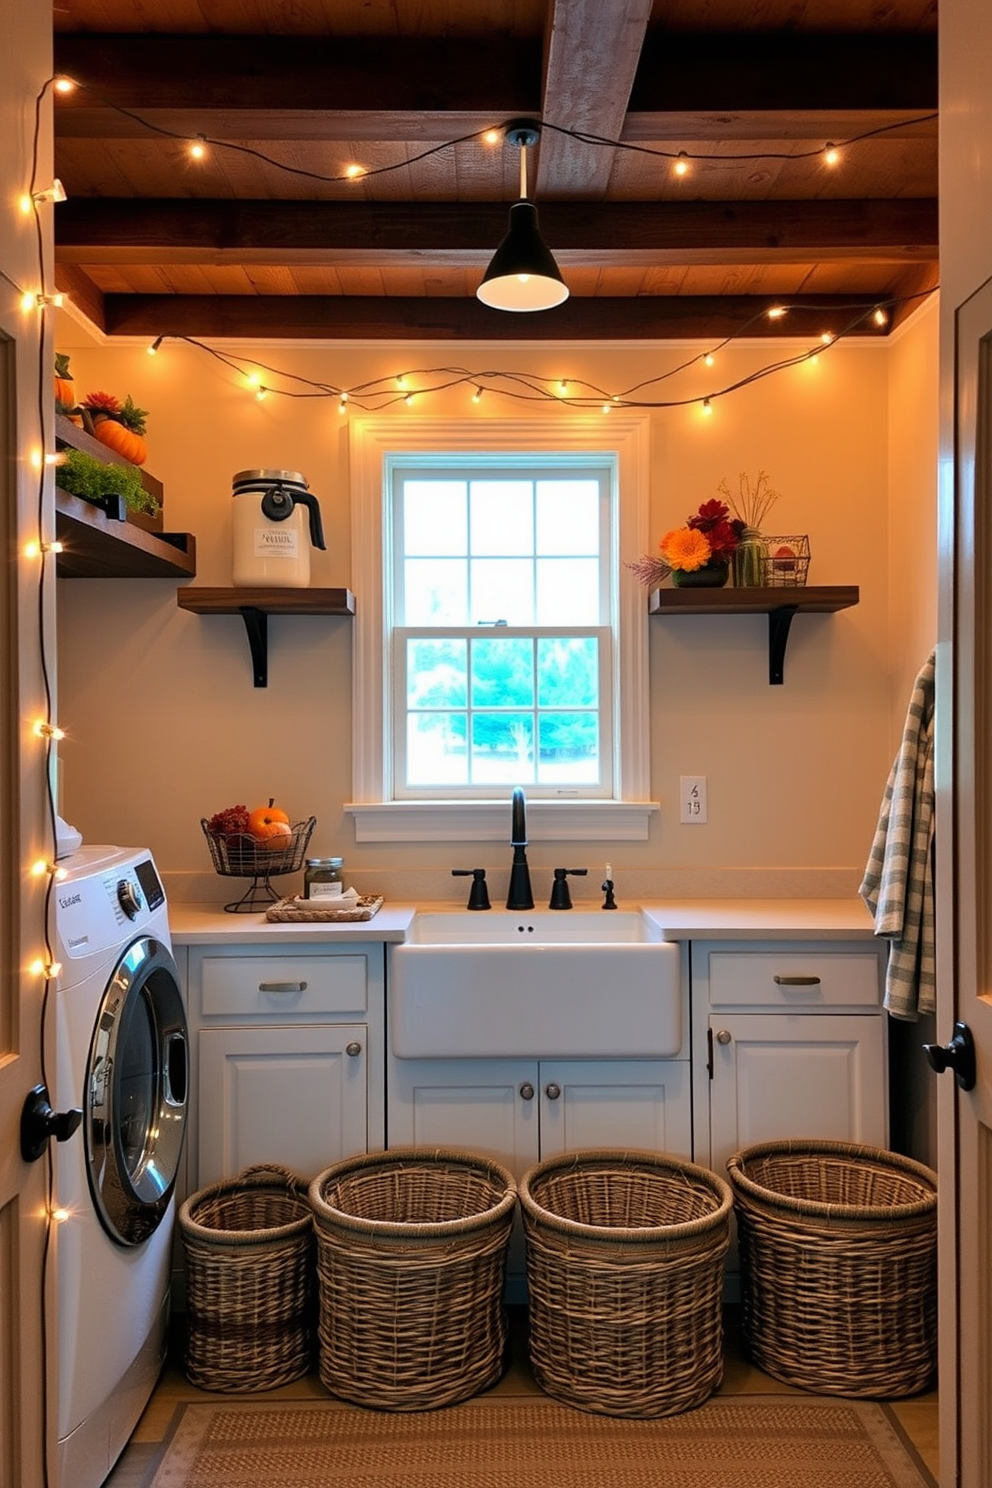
[314, 910]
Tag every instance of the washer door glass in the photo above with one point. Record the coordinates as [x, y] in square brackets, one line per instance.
[136, 1087]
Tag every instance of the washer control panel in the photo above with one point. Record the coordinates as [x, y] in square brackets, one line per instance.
[129, 897]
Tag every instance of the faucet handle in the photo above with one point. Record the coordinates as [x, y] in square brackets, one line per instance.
[560, 897]
[478, 896]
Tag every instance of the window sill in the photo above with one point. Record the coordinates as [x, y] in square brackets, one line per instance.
[489, 821]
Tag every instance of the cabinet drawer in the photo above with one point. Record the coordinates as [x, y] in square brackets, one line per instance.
[287, 985]
[794, 977]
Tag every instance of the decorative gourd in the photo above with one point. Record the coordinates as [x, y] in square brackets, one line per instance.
[119, 427]
[65, 388]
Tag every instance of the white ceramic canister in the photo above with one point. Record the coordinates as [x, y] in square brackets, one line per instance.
[276, 522]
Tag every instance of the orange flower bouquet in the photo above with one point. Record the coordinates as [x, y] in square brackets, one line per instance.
[704, 546]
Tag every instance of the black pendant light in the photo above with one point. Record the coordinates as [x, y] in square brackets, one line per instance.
[523, 274]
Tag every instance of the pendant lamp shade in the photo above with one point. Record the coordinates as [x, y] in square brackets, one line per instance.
[523, 274]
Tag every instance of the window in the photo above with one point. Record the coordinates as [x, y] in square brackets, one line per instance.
[502, 638]
[499, 639]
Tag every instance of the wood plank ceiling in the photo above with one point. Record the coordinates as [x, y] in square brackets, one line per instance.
[267, 235]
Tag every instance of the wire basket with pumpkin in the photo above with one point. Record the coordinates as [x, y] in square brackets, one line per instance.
[258, 844]
[787, 562]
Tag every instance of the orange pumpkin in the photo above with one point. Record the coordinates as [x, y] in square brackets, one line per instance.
[124, 441]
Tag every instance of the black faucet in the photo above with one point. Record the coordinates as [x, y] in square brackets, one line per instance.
[519, 894]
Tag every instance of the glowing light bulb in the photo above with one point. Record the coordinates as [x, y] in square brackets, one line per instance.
[408, 400]
[709, 359]
[826, 337]
[198, 148]
[45, 730]
[64, 85]
[776, 312]
[607, 407]
[831, 154]
[880, 318]
[58, 1216]
[400, 380]
[352, 172]
[153, 349]
[261, 393]
[492, 137]
[29, 301]
[477, 395]
[343, 405]
[707, 407]
[681, 166]
[53, 193]
[563, 387]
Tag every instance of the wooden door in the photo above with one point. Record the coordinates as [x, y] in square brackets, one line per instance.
[26, 1289]
[964, 842]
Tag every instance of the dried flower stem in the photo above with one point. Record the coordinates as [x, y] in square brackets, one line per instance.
[752, 504]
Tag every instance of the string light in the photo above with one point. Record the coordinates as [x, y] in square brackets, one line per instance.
[408, 400]
[776, 312]
[59, 1216]
[707, 406]
[198, 148]
[563, 387]
[46, 967]
[153, 349]
[879, 317]
[36, 549]
[45, 730]
[352, 172]
[831, 154]
[477, 395]
[681, 166]
[53, 193]
[41, 868]
[261, 393]
[64, 84]
[709, 359]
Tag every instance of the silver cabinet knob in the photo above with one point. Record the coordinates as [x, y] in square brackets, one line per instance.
[723, 1036]
[353, 1049]
[552, 1091]
[527, 1091]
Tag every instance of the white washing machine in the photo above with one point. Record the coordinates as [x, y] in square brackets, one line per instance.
[122, 1058]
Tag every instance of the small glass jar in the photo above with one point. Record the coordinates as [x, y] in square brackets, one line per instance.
[750, 560]
[323, 878]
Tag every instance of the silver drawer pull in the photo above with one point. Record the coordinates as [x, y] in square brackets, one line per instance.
[354, 1048]
[796, 981]
[282, 986]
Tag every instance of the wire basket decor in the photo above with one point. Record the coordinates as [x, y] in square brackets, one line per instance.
[239, 855]
[787, 563]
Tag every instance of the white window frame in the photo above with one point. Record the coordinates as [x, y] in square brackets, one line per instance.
[626, 816]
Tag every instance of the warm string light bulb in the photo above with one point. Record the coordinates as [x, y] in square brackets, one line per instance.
[353, 172]
[198, 148]
[35, 549]
[261, 393]
[563, 387]
[492, 137]
[776, 312]
[831, 154]
[709, 359]
[45, 730]
[477, 395]
[153, 349]
[42, 867]
[59, 1216]
[681, 166]
[44, 968]
[707, 407]
[64, 85]
[880, 318]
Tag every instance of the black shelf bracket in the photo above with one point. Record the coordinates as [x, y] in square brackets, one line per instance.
[779, 621]
[257, 626]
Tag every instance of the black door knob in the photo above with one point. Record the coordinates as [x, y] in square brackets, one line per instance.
[958, 1055]
[39, 1123]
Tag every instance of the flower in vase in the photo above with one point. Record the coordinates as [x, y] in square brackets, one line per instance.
[710, 535]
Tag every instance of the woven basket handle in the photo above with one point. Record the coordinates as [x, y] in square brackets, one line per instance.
[260, 1173]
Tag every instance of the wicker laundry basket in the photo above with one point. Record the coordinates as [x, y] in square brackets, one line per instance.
[838, 1245]
[250, 1281]
[625, 1263]
[411, 1259]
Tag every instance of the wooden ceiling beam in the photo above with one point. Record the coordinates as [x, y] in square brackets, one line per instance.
[591, 57]
[125, 230]
[269, 87]
[330, 318]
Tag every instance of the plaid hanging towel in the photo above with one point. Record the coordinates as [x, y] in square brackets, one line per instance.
[898, 881]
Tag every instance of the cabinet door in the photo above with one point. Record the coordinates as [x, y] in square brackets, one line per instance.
[295, 1096]
[488, 1106]
[795, 1075]
[641, 1103]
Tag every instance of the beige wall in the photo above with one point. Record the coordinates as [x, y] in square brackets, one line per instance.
[166, 726]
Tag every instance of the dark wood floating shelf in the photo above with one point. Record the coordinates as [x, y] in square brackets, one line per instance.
[256, 605]
[98, 545]
[779, 604]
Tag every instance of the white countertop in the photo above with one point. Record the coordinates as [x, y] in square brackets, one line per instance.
[679, 919]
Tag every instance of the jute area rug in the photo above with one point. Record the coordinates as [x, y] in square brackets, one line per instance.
[740, 1441]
